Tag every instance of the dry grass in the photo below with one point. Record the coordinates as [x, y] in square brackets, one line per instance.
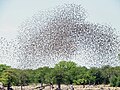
[66, 87]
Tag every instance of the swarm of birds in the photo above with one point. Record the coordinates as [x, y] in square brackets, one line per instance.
[64, 34]
[7, 52]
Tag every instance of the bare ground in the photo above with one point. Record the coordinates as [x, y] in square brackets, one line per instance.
[66, 87]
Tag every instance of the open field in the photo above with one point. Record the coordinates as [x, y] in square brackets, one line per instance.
[66, 87]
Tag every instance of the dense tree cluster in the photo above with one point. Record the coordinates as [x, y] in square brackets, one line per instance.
[63, 73]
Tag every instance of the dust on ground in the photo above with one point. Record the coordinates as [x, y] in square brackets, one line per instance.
[66, 87]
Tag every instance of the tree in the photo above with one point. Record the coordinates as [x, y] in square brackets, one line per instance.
[113, 81]
[106, 73]
[23, 79]
[96, 73]
[64, 72]
[49, 76]
[8, 77]
[3, 68]
[82, 76]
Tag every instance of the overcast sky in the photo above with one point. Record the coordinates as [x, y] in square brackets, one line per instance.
[14, 12]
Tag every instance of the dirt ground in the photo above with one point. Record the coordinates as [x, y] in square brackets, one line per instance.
[66, 87]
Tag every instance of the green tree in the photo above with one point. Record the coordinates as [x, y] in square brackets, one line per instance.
[64, 72]
[118, 81]
[8, 77]
[96, 73]
[113, 81]
[106, 73]
[82, 76]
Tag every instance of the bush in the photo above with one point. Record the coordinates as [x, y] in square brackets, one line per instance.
[118, 82]
[113, 81]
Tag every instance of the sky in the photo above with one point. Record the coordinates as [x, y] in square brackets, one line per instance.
[14, 12]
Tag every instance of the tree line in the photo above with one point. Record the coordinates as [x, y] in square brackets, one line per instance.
[65, 72]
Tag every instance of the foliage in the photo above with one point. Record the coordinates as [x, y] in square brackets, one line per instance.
[115, 81]
[65, 72]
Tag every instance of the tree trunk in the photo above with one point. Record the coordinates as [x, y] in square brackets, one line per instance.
[71, 87]
[21, 87]
[41, 86]
[51, 86]
[8, 86]
[59, 88]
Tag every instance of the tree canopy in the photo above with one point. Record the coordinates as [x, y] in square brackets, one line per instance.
[64, 72]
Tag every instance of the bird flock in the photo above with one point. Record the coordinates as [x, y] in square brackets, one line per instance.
[63, 33]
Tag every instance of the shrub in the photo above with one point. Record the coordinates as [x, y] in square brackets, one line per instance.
[113, 81]
[118, 82]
